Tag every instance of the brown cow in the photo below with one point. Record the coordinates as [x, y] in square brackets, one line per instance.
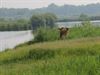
[63, 32]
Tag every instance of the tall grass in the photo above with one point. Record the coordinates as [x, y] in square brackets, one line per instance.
[51, 34]
[86, 30]
[71, 57]
[46, 34]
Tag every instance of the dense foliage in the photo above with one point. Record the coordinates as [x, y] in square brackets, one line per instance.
[43, 20]
[46, 34]
[14, 25]
[39, 20]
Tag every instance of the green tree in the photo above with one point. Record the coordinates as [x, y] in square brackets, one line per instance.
[43, 20]
[50, 19]
[84, 17]
[36, 21]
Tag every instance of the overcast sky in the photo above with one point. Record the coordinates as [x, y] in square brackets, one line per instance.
[42, 3]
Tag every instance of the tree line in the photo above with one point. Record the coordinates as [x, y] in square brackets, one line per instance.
[79, 18]
[14, 25]
[36, 21]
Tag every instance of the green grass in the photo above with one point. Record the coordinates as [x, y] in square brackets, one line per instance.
[85, 31]
[63, 57]
[78, 54]
[52, 34]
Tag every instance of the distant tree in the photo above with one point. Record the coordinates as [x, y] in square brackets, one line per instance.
[50, 19]
[43, 20]
[84, 17]
[36, 21]
[20, 24]
[23, 24]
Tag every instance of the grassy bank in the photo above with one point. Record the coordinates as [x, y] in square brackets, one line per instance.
[63, 57]
[51, 34]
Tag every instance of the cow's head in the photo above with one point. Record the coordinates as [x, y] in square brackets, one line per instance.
[63, 32]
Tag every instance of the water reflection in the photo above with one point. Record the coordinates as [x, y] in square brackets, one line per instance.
[13, 38]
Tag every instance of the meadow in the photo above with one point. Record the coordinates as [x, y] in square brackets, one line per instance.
[67, 57]
[78, 54]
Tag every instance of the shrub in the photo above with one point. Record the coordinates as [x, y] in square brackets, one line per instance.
[46, 34]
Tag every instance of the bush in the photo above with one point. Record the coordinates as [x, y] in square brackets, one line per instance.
[46, 34]
[86, 30]
[47, 19]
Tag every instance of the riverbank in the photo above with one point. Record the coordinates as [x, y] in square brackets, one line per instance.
[63, 57]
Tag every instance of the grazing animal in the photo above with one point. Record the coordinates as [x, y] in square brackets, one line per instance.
[63, 32]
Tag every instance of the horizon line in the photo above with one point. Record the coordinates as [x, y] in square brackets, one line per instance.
[48, 6]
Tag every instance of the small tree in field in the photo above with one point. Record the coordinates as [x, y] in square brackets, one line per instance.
[43, 20]
[50, 19]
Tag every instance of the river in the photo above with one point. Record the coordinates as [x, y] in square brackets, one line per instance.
[76, 23]
[10, 39]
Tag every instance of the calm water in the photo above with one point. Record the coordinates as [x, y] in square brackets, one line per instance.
[76, 23]
[12, 38]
